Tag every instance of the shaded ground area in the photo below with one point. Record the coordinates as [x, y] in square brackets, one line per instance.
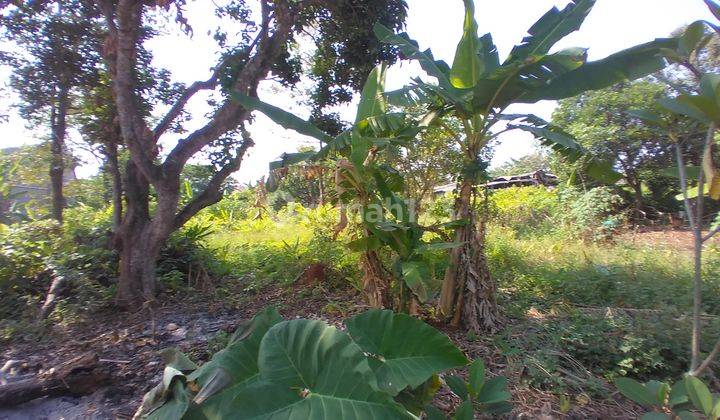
[127, 344]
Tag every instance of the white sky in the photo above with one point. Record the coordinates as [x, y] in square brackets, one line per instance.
[613, 25]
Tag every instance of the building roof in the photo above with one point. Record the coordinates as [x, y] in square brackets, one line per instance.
[531, 178]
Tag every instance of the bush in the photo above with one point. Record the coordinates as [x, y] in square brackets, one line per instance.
[33, 253]
[566, 351]
[526, 209]
[592, 215]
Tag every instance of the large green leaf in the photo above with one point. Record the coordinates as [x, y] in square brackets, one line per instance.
[476, 379]
[683, 107]
[630, 64]
[494, 391]
[416, 399]
[239, 360]
[176, 405]
[232, 370]
[372, 102]
[636, 392]
[464, 411]
[416, 275]
[409, 48]
[692, 38]
[489, 53]
[410, 351]
[467, 66]
[699, 394]
[281, 117]
[168, 399]
[551, 28]
[513, 80]
[310, 370]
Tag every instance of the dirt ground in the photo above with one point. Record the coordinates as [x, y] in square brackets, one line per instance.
[126, 344]
[680, 239]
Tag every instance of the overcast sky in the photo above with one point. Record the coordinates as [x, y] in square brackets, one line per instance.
[613, 25]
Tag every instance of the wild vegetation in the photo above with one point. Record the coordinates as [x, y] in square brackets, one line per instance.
[345, 284]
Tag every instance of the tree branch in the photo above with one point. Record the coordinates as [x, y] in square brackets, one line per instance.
[178, 107]
[711, 234]
[231, 114]
[121, 55]
[708, 360]
[212, 192]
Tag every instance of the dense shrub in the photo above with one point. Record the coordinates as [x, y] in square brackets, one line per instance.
[526, 209]
[594, 214]
[33, 253]
[564, 352]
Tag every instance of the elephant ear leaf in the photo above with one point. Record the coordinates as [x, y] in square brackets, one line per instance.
[310, 370]
[551, 28]
[408, 351]
[467, 66]
[636, 392]
[699, 395]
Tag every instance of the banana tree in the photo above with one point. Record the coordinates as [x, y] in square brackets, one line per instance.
[477, 90]
[702, 107]
[370, 190]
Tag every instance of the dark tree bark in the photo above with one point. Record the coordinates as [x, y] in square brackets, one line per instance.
[58, 122]
[113, 169]
[142, 234]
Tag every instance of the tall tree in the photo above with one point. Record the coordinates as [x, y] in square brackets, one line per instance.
[59, 51]
[601, 122]
[477, 90]
[264, 47]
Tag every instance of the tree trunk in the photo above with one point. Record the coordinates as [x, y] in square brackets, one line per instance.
[113, 166]
[468, 290]
[136, 244]
[375, 284]
[58, 122]
[637, 198]
[141, 236]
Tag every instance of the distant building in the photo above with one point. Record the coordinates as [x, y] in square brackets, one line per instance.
[22, 192]
[531, 178]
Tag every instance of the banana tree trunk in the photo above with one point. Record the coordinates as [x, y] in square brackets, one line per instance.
[468, 290]
[375, 283]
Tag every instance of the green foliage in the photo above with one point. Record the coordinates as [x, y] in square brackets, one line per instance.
[593, 215]
[525, 209]
[478, 88]
[479, 394]
[536, 161]
[683, 399]
[369, 188]
[603, 123]
[547, 270]
[304, 368]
